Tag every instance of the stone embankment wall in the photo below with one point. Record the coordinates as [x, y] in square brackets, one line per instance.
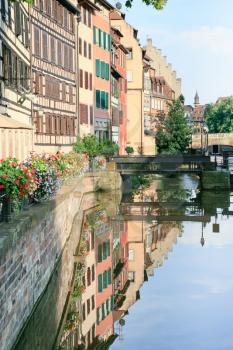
[31, 247]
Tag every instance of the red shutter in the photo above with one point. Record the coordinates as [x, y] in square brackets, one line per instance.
[86, 80]
[90, 81]
[81, 78]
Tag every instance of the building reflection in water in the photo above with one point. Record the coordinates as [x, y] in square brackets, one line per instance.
[114, 259]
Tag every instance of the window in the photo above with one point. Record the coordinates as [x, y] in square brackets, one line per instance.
[129, 76]
[98, 104]
[98, 315]
[97, 68]
[105, 40]
[81, 78]
[103, 74]
[59, 53]
[84, 312]
[85, 49]
[86, 80]
[93, 272]
[103, 99]
[45, 45]
[99, 253]
[109, 276]
[88, 276]
[92, 302]
[91, 115]
[109, 42]
[95, 35]
[84, 16]
[105, 279]
[80, 46]
[71, 94]
[131, 255]
[53, 52]
[89, 51]
[100, 37]
[83, 114]
[130, 54]
[89, 19]
[36, 41]
[131, 276]
[88, 306]
[90, 81]
[100, 283]
[92, 232]
[103, 311]
[107, 306]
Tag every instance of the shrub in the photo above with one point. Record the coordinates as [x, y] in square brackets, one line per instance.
[129, 150]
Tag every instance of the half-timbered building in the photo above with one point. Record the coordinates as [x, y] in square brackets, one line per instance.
[55, 111]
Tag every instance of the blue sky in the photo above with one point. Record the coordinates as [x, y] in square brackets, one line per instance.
[197, 38]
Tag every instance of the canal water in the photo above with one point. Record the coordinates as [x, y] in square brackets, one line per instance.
[154, 271]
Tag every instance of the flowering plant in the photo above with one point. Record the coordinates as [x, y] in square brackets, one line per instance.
[16, 180]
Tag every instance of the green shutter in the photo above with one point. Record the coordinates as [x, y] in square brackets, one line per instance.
[109, 42]
[111, 302]
[97, 67]
[100, 38]
[105, 41]
[97, 98]
[108, 248]
[107, 306]
[105, 279]
[106, 100]
[95, 36]
[99, 253]
[103, 312]
[109, 276]
[98, 315]
[104, 250]
[100, 283]
[107, 71]
[102, 99]
[102, 70]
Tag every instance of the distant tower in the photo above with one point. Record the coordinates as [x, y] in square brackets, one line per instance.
[196, 100]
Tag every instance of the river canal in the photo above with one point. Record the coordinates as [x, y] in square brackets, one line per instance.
[153, 271]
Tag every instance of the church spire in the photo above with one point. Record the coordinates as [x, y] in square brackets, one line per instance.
[196, 100]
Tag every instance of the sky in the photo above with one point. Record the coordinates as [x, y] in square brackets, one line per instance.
[197, 38]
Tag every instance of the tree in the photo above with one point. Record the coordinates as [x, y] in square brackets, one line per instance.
[175, 136]
[89, 145]
[157, 4]
[219, 117]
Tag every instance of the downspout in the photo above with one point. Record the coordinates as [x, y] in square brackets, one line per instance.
[78, 18]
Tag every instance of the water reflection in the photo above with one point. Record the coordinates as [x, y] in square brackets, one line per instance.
[121, 249]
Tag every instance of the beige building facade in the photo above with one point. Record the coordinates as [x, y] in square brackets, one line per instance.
[16, 136]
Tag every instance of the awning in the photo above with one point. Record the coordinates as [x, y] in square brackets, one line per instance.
[9, 123]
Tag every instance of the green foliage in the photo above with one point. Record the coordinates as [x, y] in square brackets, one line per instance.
[109, 148]
[89, 145]
[93, 148]
[219, 117]
[129, 150]
[157, 4]
[175, 136]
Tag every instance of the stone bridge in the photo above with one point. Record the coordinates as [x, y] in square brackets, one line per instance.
[213, 139]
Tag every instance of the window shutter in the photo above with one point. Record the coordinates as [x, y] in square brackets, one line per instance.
[80, 46]
[90, 82]
[26, 25]
[47, 123]
[102, 99]
[107, 71]
[86, 80]
[104, 250]
[45, 46]
[95, 35]
[70, 94]
[99, 253]
[89, 51]
[97, 67]
[103, 311]
[109, 276]
[98, 99]
[105, 279]
[100, 38]
[81, 78]
[106, 100]
[89, 18]
[85, 48]
[105, 41]
[36, 41]
[71, 59]
[91, 115]
[100, 283]
[37, 83]
[18, 19]
[102, 69]
[109, 42]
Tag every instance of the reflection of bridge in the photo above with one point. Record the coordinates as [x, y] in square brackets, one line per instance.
[163, 218]
[163, 164]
